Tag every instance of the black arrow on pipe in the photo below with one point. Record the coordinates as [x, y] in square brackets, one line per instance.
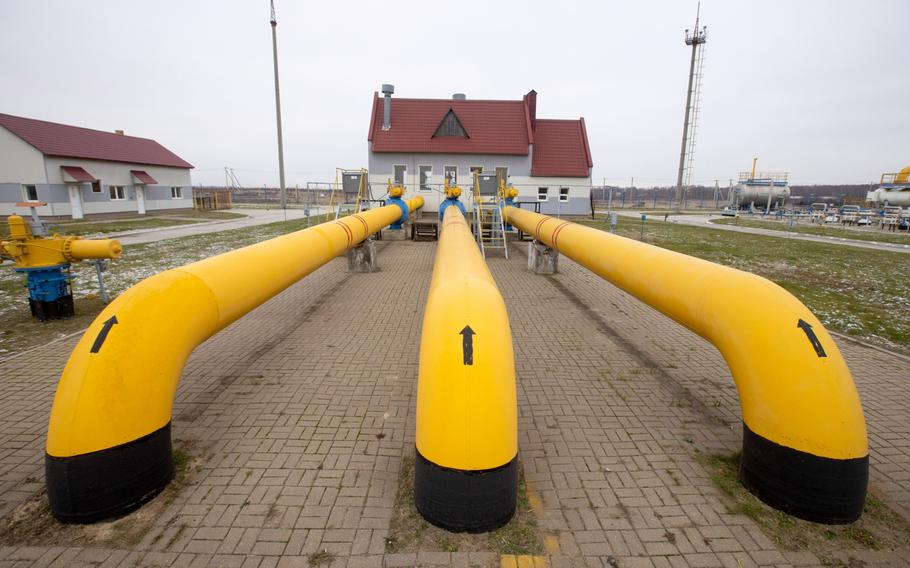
[102, 335]
[813, 339]
[467, 344]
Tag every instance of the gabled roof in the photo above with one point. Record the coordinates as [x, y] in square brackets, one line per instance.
[561, 149]
[53, 139]
[495, 127]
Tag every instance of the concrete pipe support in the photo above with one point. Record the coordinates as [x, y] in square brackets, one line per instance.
[805, 449]
[109, 437]
[466, 471]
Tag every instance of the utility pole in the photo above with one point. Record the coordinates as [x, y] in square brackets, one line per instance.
[697, 38]
[284, 197]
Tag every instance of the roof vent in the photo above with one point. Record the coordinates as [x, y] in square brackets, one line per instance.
[120, 132]
[459, 97]
[387, 91]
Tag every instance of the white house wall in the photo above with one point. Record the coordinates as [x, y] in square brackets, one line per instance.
[381, 167]
[157, 197]
[20, 162]
[579, 202]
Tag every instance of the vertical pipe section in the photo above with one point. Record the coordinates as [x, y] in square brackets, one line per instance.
[466, 471]
[805, 449]
[109, 436]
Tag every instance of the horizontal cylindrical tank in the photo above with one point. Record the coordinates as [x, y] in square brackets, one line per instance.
[745, 194]
[897, 196]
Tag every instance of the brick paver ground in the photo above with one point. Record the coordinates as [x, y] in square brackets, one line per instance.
[281, 412]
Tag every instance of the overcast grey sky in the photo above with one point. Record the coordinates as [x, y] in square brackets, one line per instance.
[817, 88]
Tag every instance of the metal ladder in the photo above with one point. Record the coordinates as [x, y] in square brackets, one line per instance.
[489, 228]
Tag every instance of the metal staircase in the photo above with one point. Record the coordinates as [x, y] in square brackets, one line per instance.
[350, 190]
[489, 228]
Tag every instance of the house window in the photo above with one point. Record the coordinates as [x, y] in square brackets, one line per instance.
[451, 174]
[176, 193]
[563, 193]
[425, 173]
[96, 186]
[30, 192]
[476, 170]
[502, 175]
[542, 193]
[398, 178]
[116, 192]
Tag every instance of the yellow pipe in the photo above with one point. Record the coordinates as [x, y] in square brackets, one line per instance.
[108, 442]
[902, 176]
[81, 249]
[805, 448]
[754, 162]
[467, 429]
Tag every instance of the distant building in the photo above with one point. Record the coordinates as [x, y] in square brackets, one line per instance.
[79, 171]
[421, 142]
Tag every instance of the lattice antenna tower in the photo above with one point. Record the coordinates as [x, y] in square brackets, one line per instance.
[696, 38]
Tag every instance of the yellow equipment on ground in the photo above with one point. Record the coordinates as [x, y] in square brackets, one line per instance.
[804, 449]
[46, 260]
[109, 436]
[29, 251]
[466, 472]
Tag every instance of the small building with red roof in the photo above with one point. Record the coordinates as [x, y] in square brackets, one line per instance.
[77, 171]
[419, 143]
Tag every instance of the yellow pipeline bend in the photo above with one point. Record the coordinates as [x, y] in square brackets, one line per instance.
[794, 386]
[467, 429]
[117, 390]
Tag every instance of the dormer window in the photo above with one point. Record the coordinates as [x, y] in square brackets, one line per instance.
[451, 126]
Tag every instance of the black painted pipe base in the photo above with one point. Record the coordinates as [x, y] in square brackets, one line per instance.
[465, 501]
[109, 483]
[60, 308]
[818, 489]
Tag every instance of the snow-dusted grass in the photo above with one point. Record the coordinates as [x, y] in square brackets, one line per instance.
[19, 332]
[859, 292]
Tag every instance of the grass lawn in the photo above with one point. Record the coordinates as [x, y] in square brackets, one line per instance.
[862, 293]
[20, 331]
[869, 234]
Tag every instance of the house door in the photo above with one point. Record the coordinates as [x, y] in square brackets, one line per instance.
[75, 194]
[140, 199]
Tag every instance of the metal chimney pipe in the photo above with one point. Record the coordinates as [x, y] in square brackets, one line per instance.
[387, 91]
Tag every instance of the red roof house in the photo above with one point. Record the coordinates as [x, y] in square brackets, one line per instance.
[75, 171]
[419, 142]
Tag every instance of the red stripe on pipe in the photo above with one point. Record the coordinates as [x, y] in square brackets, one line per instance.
[347, 231]
[366, 227]
[537, 228]
[557, 230]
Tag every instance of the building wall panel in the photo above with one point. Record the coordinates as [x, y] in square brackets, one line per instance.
[20, 162]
